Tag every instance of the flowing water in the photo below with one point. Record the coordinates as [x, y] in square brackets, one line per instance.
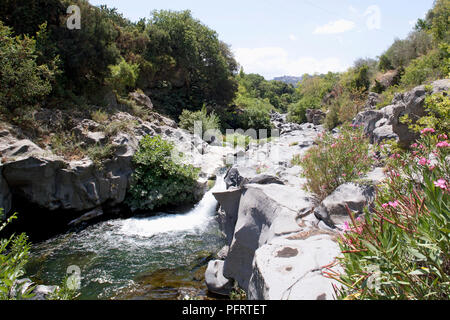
[137, 258]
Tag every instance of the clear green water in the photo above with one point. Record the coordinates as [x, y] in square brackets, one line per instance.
[122, 258]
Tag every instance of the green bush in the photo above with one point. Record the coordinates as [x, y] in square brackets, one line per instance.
[256, 118]
[297, 111]
[334, 161]
[437, 107]
[209, 122]
[24, 83]
[425, 68]
[332, 118]
[14, 254]
[402, 249]
[123, 76]
[158, 180]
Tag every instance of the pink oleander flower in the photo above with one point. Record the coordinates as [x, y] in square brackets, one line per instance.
[443, 137]
[443, 144]
[385, 205]
[346, 227]
[432, 167]
[441, 183]
[394, 204]
[427, 130]
[344, 175]
[334, 145]
[414, 145]
[424, 162]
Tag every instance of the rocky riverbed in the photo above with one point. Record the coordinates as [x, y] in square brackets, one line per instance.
[279, 240]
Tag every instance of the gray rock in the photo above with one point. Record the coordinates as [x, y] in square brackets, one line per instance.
[265, 212]
[333, 209]
[141, 100]
[372, 100]
[315, 116]
[229, 202]
[215, 280]
[5, 194]
[368, 120]
[41, 292]
[292, 270]
[87, 216]
[409, 104]
[265, 179]
[233, 178]
[383, 133]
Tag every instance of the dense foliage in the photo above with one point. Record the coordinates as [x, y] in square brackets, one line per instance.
[24, 83]
[437, 107]
[180, 60]
[158, 180]
[14, 254]
[207, 122]
[401, 250]
[335, 160]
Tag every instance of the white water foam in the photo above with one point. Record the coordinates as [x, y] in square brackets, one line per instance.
[193, 219]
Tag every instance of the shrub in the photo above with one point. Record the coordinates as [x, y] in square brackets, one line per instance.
[99, 116]
[14, 254]
[332, 117]
[297, 111]
[24, 83]
[402, 249]
[351, 103]
[427, 67]
[209, 122]
[437, 107]
[123, 76]
[99, 153]
[334, 161]
[157, 179]
[256, 118]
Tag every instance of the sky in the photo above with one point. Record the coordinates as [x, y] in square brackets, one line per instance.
[294, 37]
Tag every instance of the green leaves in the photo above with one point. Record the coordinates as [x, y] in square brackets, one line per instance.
[158, 180]
[24, 82]
[335, 161]
[407, 235]
[14, 253]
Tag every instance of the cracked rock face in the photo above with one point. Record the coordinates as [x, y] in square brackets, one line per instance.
[385, 124]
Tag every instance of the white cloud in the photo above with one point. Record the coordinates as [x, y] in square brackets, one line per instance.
[292, 37]
[275, 61]
[353, 9]
[333, 27]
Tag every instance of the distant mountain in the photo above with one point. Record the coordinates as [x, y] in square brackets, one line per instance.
[289, 79]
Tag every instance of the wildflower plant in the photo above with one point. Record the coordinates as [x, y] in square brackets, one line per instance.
[335, 160]
[401, 250]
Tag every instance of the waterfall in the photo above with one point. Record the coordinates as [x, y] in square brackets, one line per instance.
[168, 223]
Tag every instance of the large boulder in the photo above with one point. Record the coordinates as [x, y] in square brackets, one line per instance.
[372, 100]
[142, 100]
[228, 214]
[265, 212]
[215, 280]
[315, 116]
[368, 120]
[386, 123]
[333, 209]
[291, 269]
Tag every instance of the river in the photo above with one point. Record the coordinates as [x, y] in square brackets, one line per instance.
[136, 258]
